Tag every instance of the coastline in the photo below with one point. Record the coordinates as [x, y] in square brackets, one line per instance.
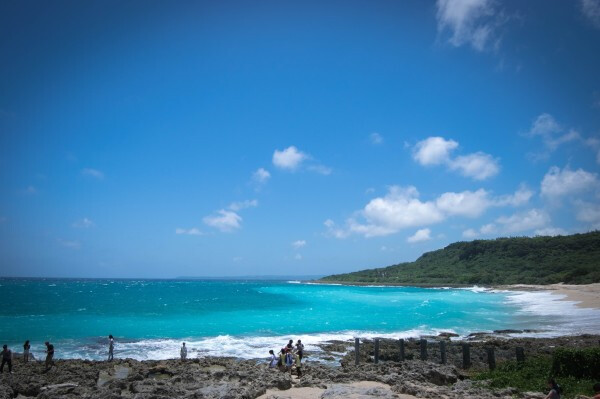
[582, 295]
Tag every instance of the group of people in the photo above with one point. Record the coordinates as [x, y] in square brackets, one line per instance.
[7, 356]
[290, 357]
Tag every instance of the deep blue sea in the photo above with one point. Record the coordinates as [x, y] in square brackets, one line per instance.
[150, 318]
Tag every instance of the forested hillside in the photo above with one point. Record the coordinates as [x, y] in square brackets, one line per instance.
[573, 259]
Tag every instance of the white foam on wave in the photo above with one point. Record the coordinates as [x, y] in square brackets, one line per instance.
[563, 317]
[252, 347]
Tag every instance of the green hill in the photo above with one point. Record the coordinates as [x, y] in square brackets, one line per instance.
[573, 259]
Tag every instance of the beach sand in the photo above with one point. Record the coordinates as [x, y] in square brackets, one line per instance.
[585, 295]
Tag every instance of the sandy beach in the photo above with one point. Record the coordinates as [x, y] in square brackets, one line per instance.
[585, 296]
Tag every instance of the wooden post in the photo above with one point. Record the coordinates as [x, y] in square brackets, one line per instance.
[443, 351]
[357, 350]
[376, 350]
[520, 354]
[423, 349]
[491, 357]
[466, 350]
[401, 349]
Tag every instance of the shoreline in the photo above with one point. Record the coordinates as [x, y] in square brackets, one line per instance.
[582, 295]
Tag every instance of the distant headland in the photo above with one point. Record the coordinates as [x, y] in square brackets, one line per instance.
[572, 259]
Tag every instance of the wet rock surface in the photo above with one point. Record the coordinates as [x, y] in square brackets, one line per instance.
[237, 379]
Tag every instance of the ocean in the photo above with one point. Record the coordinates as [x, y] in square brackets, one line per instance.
[244, 319]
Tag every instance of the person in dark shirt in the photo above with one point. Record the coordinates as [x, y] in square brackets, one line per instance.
[49, 355]
[6, 359]
[26, 348]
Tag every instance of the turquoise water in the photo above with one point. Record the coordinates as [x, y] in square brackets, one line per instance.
[238, 318]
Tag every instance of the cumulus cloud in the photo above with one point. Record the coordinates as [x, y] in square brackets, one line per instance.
[261, 176]
[558, 183]
[84, 223]
[224, 220]
[95, 173]
[289, 158]
[194, 231]
[524, 221]
[479, 166]
[433, 151]
[402, 208]
[420, 235]
[239, 205]
[292, 159]
[470, 233]
[591, 10]
[469, 22]
[376, 138]
[299, 244]
[437, 151]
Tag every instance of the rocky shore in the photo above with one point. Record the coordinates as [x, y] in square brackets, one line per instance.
[232, 378]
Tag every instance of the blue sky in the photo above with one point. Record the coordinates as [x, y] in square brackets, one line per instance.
[161, 139]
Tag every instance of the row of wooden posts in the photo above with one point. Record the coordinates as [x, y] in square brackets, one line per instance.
[466, 352]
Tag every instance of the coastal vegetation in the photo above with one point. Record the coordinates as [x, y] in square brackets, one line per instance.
[575, 370]
[572, 259]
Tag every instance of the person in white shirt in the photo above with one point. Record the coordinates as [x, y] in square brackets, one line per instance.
[272, 360]
[183, 352]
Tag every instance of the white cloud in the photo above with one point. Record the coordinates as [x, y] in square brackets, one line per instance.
[520, 197]
[433, 151]
[437, 151]
[489, 228]
[84, 223]
[467, 203]
[237, 206]
[591, 9]
[261, 176]
[479, 166]
[525, 221]
[289, 158]
[225, 221]
[401, 208]
[470, 233]
[69, 243]
[553, 135]
[298, 257]
[420, 235]
[376, 138]
[550, 231]
[470, 22]
[321, 169]
[299, 244]
[588, 212]
[92, 173]
[594, 144]
[558, 183]
[194, 231]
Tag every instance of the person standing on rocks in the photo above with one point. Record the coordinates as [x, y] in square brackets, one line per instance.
[6, 359]
[111, 348]
[26, 348]
[183, 352]
[298, 365]
[49, 355]
[290, 344]
[300, 349]
[272, 359]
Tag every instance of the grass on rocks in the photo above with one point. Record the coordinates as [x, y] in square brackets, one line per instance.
[532, 375]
